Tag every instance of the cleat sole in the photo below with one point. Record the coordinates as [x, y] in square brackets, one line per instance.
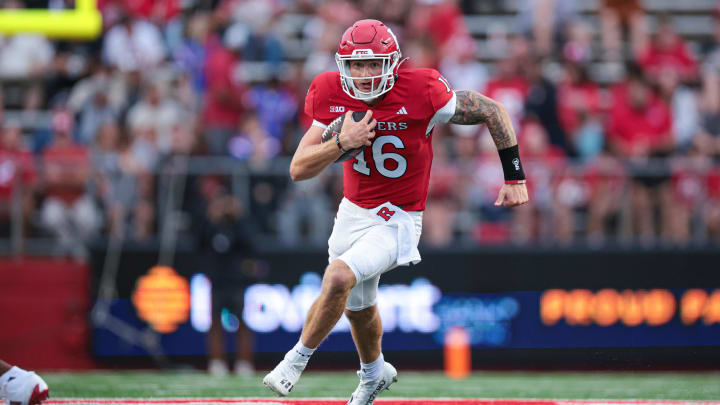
[273, 389]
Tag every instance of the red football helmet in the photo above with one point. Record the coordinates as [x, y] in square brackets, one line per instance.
[368, 39]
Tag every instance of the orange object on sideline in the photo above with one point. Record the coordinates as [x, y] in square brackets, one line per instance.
[458, 362]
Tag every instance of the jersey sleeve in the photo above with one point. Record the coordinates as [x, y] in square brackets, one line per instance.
[442, 97]
[310, 98]
[316, 92]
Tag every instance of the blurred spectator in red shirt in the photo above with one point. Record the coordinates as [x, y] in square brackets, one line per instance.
[492, 223]
[641, 129]
[708, 136]
[510, 88]
[440, 20]
[604, 183]
[640, 121]
[157, 11]
[544, 165]
[689, 180]
[712, 207]
[439, 221]
[223, 99]
[668, 51]
[17, 175]
[68, 211]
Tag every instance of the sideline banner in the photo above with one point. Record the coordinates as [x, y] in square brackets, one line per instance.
[506, 300]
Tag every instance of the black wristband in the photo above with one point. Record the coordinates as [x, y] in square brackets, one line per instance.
[512, 167]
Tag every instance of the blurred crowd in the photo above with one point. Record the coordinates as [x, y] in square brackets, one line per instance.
[181, 118]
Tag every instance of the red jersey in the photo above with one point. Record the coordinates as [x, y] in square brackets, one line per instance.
[14, 165]
[638, 131]
[396, 167]
[678, 58]
[574, 99]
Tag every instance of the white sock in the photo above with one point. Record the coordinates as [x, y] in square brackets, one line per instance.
[373, 371]
[13, 372]
[299, 354]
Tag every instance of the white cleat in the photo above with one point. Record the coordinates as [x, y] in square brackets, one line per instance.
[366, 392]
[25, 389]
[283, 378]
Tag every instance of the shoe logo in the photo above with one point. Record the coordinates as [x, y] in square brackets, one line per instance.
[402, 110]
[375, 393]
[287, 384]
[10, 379]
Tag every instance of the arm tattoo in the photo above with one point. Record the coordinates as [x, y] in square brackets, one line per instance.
[474, 108]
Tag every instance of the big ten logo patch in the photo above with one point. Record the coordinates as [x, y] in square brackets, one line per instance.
[385, 213]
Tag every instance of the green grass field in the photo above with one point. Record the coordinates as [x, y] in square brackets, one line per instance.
[550, 385]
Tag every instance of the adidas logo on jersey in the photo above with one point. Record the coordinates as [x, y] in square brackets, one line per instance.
[402, 110]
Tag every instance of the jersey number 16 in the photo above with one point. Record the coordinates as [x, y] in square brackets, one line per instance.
[379, 157]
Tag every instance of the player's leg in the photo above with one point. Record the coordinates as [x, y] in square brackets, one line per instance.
[223, 292]
[324, 313]
[375, 374]
[329, 306]
[217, 365]
[244, 341]
[244, 337]
[20, 387]
[366, 328]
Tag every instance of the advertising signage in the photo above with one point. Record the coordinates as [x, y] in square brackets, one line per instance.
[551, 305]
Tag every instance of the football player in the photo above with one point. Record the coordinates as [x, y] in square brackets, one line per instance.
[20, 387]
[379, 221]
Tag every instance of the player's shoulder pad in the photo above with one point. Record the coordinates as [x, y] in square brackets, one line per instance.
[431, 78]
[321, 89]
[326, 82]
[437, 88]
[429, 73]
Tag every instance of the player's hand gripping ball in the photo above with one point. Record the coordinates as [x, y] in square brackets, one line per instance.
[334, 129]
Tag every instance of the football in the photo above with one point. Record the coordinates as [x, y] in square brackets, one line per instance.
[334, 128]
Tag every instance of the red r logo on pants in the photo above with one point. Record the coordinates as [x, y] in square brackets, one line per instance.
[385, 213]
